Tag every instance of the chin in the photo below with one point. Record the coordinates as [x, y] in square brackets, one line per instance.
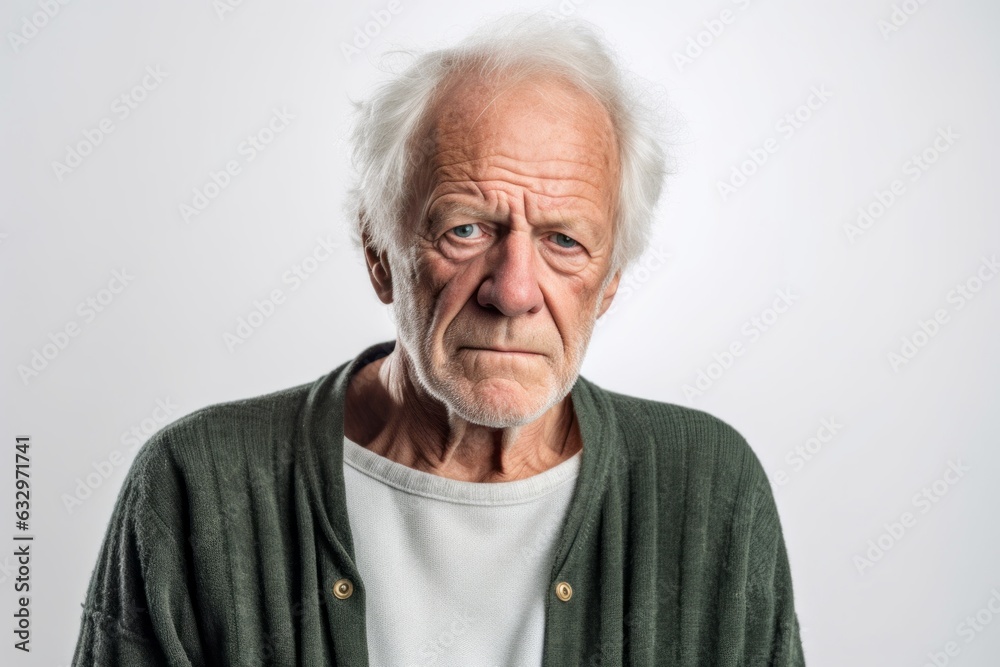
[505, 397]
[499, 402]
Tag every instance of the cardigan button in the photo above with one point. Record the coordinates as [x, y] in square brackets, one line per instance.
[343, 588]
[564, 591]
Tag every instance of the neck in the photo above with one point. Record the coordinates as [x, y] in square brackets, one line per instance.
[389, 413]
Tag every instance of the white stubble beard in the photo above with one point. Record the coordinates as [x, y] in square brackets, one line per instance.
[413, 325]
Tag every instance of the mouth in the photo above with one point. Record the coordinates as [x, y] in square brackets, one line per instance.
[501, 350]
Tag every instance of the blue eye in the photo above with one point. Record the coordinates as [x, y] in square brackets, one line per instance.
[564, 241]
[464, 231]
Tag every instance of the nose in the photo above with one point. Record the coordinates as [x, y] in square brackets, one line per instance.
[511, 284]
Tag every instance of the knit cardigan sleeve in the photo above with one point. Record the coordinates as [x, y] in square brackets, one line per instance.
[138, 611]
[772, 629]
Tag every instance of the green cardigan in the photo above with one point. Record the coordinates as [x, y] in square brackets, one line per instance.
[231, 530]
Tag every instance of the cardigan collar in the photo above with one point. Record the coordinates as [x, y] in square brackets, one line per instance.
[322, 444]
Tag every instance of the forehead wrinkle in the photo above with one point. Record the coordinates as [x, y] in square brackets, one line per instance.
[592, 176]
[467, 152]
[475, 210]
[579, 153]
[586, 116]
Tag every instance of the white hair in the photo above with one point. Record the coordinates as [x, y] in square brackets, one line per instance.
[386, 144]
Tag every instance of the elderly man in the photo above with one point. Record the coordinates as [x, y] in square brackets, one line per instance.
[462, 496]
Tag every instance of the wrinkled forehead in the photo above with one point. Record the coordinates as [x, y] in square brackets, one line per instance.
[534, 117]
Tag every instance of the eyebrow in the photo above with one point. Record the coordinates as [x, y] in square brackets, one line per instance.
[448, 209]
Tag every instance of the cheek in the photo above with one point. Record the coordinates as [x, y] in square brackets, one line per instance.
[446, 287]
[573, 307]
[571, 297]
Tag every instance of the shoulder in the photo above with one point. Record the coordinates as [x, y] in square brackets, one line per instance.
[218, 449]
[229, 429]
[698, 461]
[682, 438]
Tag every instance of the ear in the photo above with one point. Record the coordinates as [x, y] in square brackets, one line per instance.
[378, 270]
[609, 293]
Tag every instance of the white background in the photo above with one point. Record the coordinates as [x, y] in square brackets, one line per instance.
[856, 296]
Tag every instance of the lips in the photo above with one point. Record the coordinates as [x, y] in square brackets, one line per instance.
[502, 350]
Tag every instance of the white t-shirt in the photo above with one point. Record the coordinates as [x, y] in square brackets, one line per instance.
[456, 573]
